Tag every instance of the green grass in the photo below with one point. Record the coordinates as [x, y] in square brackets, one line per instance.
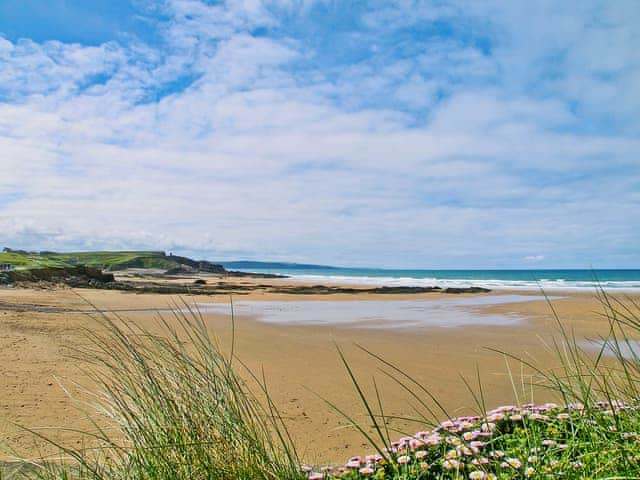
[116, 260]
[178, 409]
[101, 260]
[30, 261]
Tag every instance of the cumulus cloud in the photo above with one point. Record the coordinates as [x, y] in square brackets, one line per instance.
[489, 134]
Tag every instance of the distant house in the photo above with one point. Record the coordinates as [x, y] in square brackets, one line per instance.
[6, 267]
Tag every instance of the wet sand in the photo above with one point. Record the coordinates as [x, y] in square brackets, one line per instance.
[35, 366]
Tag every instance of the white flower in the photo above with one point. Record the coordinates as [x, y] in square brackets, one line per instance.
[477, 475]
[513, 462]
[451, 464]
[421, 454]
[453, 440]
[496, 417]
[488, 427]
[451, 454]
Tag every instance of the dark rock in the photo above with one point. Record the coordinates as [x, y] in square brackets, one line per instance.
[466, 290]
[199, 265]
[76, 276]
[232, 273]
[181, 270]
[326, 290]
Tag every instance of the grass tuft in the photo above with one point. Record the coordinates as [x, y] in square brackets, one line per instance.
[176, 409]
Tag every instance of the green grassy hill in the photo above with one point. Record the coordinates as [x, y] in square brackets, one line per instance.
[30, 260]
[116, 260]
[103, 260]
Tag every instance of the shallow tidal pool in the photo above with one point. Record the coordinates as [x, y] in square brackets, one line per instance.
[392, 314]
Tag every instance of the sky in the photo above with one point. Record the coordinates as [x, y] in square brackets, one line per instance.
[394, 133]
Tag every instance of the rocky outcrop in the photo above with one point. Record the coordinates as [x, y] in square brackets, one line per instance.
[196, 266]
[466, 290]
[326, 289]
[78, 276]
[233, 273]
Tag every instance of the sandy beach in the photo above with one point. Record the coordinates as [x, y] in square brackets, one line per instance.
[40, 383]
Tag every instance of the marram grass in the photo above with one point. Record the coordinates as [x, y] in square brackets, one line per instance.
[178, 409]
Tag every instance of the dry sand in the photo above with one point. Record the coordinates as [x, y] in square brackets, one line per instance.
[35, 366]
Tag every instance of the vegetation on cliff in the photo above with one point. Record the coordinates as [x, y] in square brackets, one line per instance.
[108, 261]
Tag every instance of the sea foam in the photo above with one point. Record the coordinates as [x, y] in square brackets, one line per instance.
[493, 284]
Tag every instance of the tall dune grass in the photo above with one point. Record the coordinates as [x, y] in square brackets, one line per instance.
[176, 409]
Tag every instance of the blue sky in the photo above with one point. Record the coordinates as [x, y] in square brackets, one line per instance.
[434, 134]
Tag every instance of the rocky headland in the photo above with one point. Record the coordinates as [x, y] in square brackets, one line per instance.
[157, 272]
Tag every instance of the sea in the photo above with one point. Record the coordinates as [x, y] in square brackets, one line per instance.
[619, 280]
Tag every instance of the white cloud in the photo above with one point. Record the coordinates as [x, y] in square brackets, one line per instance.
[52, 67]
[265, 154]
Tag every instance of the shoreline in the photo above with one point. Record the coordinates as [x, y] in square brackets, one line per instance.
[302, 283]
[531, 279]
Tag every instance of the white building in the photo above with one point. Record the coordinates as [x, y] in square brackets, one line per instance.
[6, 267]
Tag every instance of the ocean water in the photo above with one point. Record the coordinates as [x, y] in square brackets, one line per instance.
[547, 280]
